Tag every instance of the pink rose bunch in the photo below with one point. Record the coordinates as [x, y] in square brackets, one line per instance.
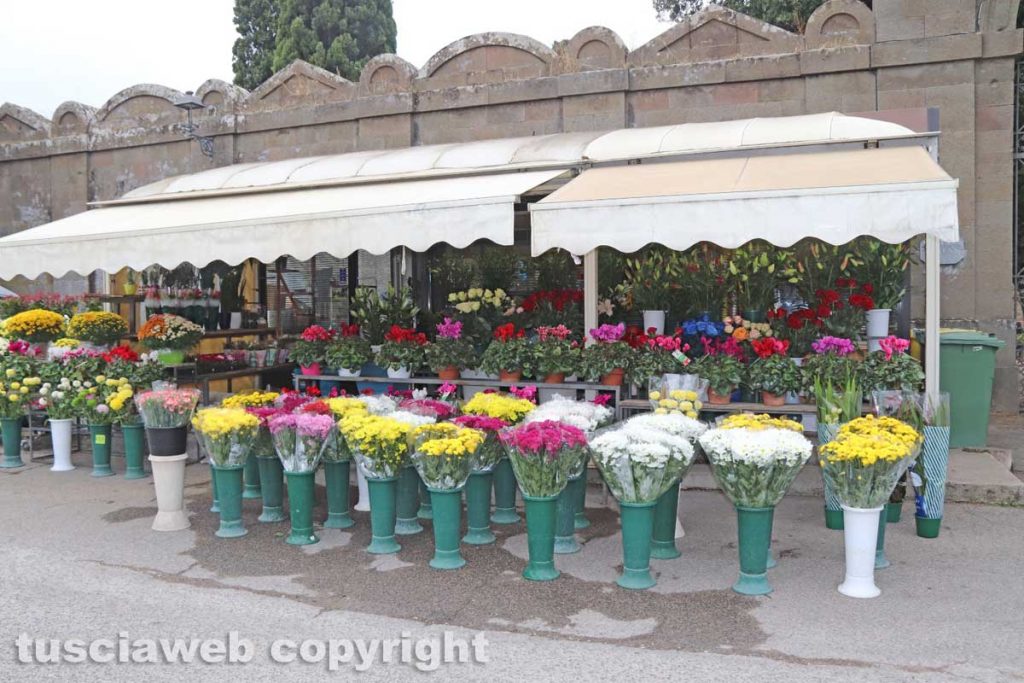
[836, 345]
[548, 437]
[481, 422]
[449, 329]
[893, 345]
[608, 334]
[428, 406]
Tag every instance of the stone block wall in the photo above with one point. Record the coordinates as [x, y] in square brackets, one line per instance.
[956, 56]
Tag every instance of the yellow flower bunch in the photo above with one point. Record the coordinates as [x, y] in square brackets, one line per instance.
[67, 343]
[251, 399]
[864, 449]
[501, 406]
[759, 422]
[374, 435]
[98, 327]
[36, 325]
[343, 405]
[463, 443]
[120, 393]
[221, 422]
[869, 425]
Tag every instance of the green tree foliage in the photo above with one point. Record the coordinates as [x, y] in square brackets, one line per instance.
[337, 35]
[789, 14]
[253, 53]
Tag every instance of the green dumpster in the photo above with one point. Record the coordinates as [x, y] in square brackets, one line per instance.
[967, 366]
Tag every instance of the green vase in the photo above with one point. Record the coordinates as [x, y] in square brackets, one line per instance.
[336, 476]
[447, 507]
[893, 512]
[229, 497]
[928, 527]
[271, 488]
[10, 428]
[754, 526]
[540, 538]
[881, 561]
[407, 505]
[252, 480]
[215, 504]
[169, 357]
[637, 528]
[478, 509]
[663, 535]
[134, 451]
[504, 494]
[301, 488]
[99, 437]
[579, 493]
[565, 522]
[425, 511]
[382, 516]
[771, 562]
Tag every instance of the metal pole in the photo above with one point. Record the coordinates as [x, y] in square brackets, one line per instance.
[932, 316]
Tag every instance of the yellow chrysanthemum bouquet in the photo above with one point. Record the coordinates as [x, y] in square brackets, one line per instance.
[97, 327]
[381, 444]
[17, 389]
[338, 450]
[226, 434]
[501, 406]
[35, 326]
[444, 454]
[867, 457]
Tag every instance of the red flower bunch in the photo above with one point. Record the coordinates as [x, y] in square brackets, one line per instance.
[767, 347]
[508, 332]
[405, 334]
[557, 298]
[349, 330]
[122, 352]
[317, 407]
[317, 333]
[862, 301]
[729, 347]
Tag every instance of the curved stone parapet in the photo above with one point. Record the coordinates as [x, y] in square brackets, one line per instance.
[220, 96]
[595, 47]
[73, 118]
[487, 58]
[297, 84]
[18, 123]
[840, 22]
[386, 75]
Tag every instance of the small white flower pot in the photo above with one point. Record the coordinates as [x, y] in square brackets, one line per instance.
[345, 372]
[399, 373]
[860, 536]
[169, 482]
[878, 327]
[363, 504]
[60, 435]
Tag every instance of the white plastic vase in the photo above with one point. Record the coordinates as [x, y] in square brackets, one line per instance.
[860, 536]
[169, 482]
[399, 373]
[655, 319]
[878, 327]
[345, 372]
[60, 435]
[363, 504]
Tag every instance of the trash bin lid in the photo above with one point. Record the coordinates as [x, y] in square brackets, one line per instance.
[969, 338]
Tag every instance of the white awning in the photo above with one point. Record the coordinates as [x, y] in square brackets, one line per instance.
[301, 223]
[892, 194]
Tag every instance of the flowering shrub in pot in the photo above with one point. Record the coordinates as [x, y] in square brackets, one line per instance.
[451, 352]
[607, 359]
[892, 367]
[403, 351]
[36, 325]
[348, 351]
[310, 350]
[170, 336]
[773, 371]
[509, 354]
[555, 354]
[723, 366]
[97, 327]
[832, 359]
[656, 355]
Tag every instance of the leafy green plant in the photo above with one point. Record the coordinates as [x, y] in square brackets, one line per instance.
[650, 278]
[508, 351]
[307, 353]
[451, 271]
[884, 267]
[901, 372]
[723, 372]
[377, 313]
[755, 271]
[349, 353]
[818, 265]
[498, 267]
[837, 403]
[555, 270]
[450, 353]
[776, 374]
[555, 352]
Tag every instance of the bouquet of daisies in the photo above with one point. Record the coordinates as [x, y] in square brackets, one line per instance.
[444, 454]
[543, 454]
[300, 439]
[756, 457]
[867, 457]
[639, 462]
[486, 457]
[226, 434]
[381, 444]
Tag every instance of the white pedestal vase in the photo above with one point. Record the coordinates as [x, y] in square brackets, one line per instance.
[655, 319]
[169, 482]
[363, 504]
[60, 435]
[860, 536]
[878, 327]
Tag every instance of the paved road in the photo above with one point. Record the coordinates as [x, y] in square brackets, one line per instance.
[78, 561]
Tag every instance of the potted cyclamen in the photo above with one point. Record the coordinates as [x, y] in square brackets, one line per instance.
[481, 477]
[723, 372]
[170, 336]
[166, 414]
[443, 456]
[607, 359]
[58, 402]
[773, 372]
[892, 368]
[348, 352]
[542, 454]
[555, 354]
[508, 355]
[227, 435]
[450, 353]
[101, 403]
[402, 352]
[300, 440]
[310, 350]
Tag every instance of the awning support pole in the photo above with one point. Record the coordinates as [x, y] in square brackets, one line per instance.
[589, 291]
[932, 316]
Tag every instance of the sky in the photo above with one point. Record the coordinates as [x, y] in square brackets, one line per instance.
[88, 50]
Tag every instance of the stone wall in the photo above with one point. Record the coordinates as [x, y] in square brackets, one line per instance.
[957, 56]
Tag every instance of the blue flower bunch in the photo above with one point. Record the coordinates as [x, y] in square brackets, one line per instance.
[703, 326]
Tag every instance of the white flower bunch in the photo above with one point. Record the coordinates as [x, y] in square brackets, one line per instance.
[472, 299]
[583, 415]
[760, 446]
[4, 345]
[676, 424]
[379, 405]
[412, 419]
[640, 463]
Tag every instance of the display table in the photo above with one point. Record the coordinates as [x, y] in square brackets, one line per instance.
[181, 374]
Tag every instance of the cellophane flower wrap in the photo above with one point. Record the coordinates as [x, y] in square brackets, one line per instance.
[490, 452]
[867, 458]
[379, 405]
[167, 408]
[443, 454]
[341, 407]
[226, 434]
[300, 439]
[543, 454]
[263, 445]
[639, 462]
[755, 458]
[381, 444]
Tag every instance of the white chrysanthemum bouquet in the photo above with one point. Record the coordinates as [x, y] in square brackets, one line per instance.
[640, 461]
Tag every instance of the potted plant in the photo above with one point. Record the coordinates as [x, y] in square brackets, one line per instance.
[166, 414]
[754, 271]
[402, 352]
[450, 353]
[36, 325]
[170, 336]
[607, 358]
[655, 356]
[100, 402]
[300, 440]
[130, 287]
[555, 354]
[17, 387]
[773, 371]
[348, 352]
[310, 350]
[892, 368]
[99, 328]
[882, 268]
[832, 359]
[227, 435]
[649, 279]
[508, 355]
[723, 372]
[754, 459]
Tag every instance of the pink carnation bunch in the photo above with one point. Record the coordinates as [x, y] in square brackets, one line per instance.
[548, 437]
[304, 424]
[428, 406]
[481, 422]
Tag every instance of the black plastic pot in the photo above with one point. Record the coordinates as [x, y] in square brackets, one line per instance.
[170, 441]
